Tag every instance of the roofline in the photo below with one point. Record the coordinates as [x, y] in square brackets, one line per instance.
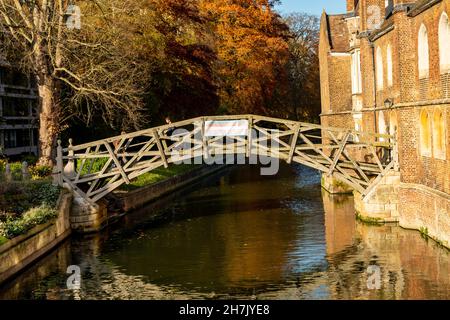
[422, 7]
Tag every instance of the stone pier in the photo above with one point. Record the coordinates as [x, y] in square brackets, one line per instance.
[86, 217]
[335, 186]
[381, 204]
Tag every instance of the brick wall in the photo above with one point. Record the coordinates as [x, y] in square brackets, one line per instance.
[415, 168]
[340, 83]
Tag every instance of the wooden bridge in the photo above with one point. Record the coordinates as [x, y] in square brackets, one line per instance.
[95, 169]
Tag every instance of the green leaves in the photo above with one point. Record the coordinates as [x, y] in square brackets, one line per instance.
[33, 217]
[17, 198]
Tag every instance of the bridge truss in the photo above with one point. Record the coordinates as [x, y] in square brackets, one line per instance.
[93, 170]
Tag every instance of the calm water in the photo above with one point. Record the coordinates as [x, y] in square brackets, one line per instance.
[240, 235]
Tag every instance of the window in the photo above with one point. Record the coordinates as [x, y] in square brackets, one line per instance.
[423, 53]
[379, 63]
[425, 134]
[15, 107]
[356, 72]
[382, 127]
[390, 76]
[14, 78]
[444, 44]
[10, 139]
[438, 135]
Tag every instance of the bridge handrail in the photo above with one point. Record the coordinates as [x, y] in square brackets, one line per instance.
[256, 118]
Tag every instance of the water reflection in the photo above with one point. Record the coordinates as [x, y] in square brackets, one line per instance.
[240, 235]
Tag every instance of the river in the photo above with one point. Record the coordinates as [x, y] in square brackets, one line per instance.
[240, 235]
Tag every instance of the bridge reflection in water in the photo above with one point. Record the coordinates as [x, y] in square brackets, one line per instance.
[241, 235]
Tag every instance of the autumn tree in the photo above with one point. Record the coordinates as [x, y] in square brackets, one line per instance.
[184, 83]
[251, 47]
[303, 98]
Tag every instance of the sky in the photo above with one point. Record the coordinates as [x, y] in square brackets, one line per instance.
[312, 6]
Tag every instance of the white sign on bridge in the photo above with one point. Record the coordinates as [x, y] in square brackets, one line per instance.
[226, 128]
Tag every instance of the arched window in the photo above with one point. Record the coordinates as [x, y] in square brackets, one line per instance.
[444, 43]
[438, 135]
[390, 71]
[425, 134]
[423, 53]
[379, 62]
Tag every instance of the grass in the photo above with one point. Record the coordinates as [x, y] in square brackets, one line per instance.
[424, 231]
[35, 172]
[94, 165]
[369, 220]
[158, 175]
[146, 179]
[3, 240]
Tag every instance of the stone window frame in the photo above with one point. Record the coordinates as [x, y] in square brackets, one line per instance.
[379, 69]
[425, 138]
[439, 133]
[423, 53]
[444, 43]
[390, 66]
[356, 72]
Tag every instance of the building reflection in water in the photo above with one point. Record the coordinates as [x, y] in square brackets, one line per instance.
[411, 267]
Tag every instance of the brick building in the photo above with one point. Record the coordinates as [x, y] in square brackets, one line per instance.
[18, 113]
[385, 67]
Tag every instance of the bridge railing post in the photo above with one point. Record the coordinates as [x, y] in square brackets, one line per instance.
[395, 155]
[205, 147]
[59, 164]
[250, 137]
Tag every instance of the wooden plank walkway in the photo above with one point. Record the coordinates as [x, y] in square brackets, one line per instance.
[93, 170]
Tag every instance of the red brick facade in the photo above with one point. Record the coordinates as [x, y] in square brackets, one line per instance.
[404, 89]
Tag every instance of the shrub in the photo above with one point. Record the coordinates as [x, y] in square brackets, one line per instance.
[16, 170]
[18, 197]
[3, 163]
[43, 193]
[40, 172]
[30, 159]
[33, 217]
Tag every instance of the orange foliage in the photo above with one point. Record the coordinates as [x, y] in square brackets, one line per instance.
[251, 45]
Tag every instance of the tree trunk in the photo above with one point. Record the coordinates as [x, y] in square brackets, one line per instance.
[48, 122]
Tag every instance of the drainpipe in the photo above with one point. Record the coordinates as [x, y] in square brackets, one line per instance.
[374, 86]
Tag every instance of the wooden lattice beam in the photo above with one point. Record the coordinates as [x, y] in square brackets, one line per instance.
[99, 168]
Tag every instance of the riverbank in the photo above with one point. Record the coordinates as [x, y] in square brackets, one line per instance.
[136, 198]
[86, 218]
[26, 247]
[18, 253]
